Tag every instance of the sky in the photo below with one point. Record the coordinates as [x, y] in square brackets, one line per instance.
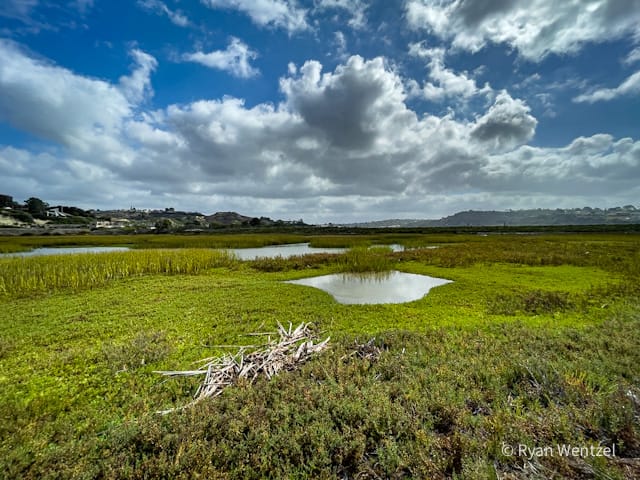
[325, 110]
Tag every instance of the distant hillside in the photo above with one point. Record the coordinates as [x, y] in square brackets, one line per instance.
[227, 218]
[538, 217]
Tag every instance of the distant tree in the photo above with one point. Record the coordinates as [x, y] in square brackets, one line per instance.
[254, 222]
[20, 215]
[164, 226]
[77, 212]
[36, 207]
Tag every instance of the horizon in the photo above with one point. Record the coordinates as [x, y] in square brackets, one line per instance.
[362, 220]
[328, 110]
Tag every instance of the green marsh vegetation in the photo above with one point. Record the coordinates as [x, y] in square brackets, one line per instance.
[25, 243]
[534, 343]
[33, 275]
[220, 240]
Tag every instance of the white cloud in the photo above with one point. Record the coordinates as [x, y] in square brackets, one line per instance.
[71, 109]
[176, 16]
[630, 86]
[341, 45]
[342, 145]
[633, 56]
[596, 165]
[446, 83]
[235, 59]
[356, 8]
[353, 107]
[535, 28]
[507, 124]
[137, 86]
[277, 13]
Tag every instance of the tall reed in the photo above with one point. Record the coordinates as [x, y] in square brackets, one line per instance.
[32, 275]
[363, 259]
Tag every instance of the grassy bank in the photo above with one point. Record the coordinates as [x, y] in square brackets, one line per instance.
[534, 343]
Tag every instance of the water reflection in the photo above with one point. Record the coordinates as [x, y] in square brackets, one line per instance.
[284, 251]
[63, 251]
[293, 249]
[372, 288]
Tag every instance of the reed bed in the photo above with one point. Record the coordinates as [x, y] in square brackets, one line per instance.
[12, 247]
[363, 259]
[32, 275]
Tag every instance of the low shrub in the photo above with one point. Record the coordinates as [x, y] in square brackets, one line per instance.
[535, 302]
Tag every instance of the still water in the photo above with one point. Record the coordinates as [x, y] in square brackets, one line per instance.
[284, 251]
[64, 251]
[290, 250]
[370, 288]
[271, 251]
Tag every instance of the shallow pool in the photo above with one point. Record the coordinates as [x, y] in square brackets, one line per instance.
[372, 288]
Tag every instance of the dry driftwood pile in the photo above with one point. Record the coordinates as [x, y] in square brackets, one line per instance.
[293, 348]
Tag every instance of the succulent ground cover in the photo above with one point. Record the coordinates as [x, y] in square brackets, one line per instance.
[533, 345]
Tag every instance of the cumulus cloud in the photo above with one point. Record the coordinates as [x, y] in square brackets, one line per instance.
[535, 28]
[445, 82]
[341, 140]
[507, 124]
[235, 59]
[160, 8]
[630, 86]
[352, 107]
[598, 165]
[276, 13]
[71, 110]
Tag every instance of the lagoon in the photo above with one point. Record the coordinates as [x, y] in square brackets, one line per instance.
[293, 249]
[284, 251]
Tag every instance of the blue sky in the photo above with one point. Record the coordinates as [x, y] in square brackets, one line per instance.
[329, 110]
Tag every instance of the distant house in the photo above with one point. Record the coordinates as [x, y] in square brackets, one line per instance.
[113, 223]
[56, 212]
[6, 201]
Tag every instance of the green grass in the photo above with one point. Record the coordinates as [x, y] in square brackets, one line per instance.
[535, 342]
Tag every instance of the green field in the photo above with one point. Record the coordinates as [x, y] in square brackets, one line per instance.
[536, 343]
